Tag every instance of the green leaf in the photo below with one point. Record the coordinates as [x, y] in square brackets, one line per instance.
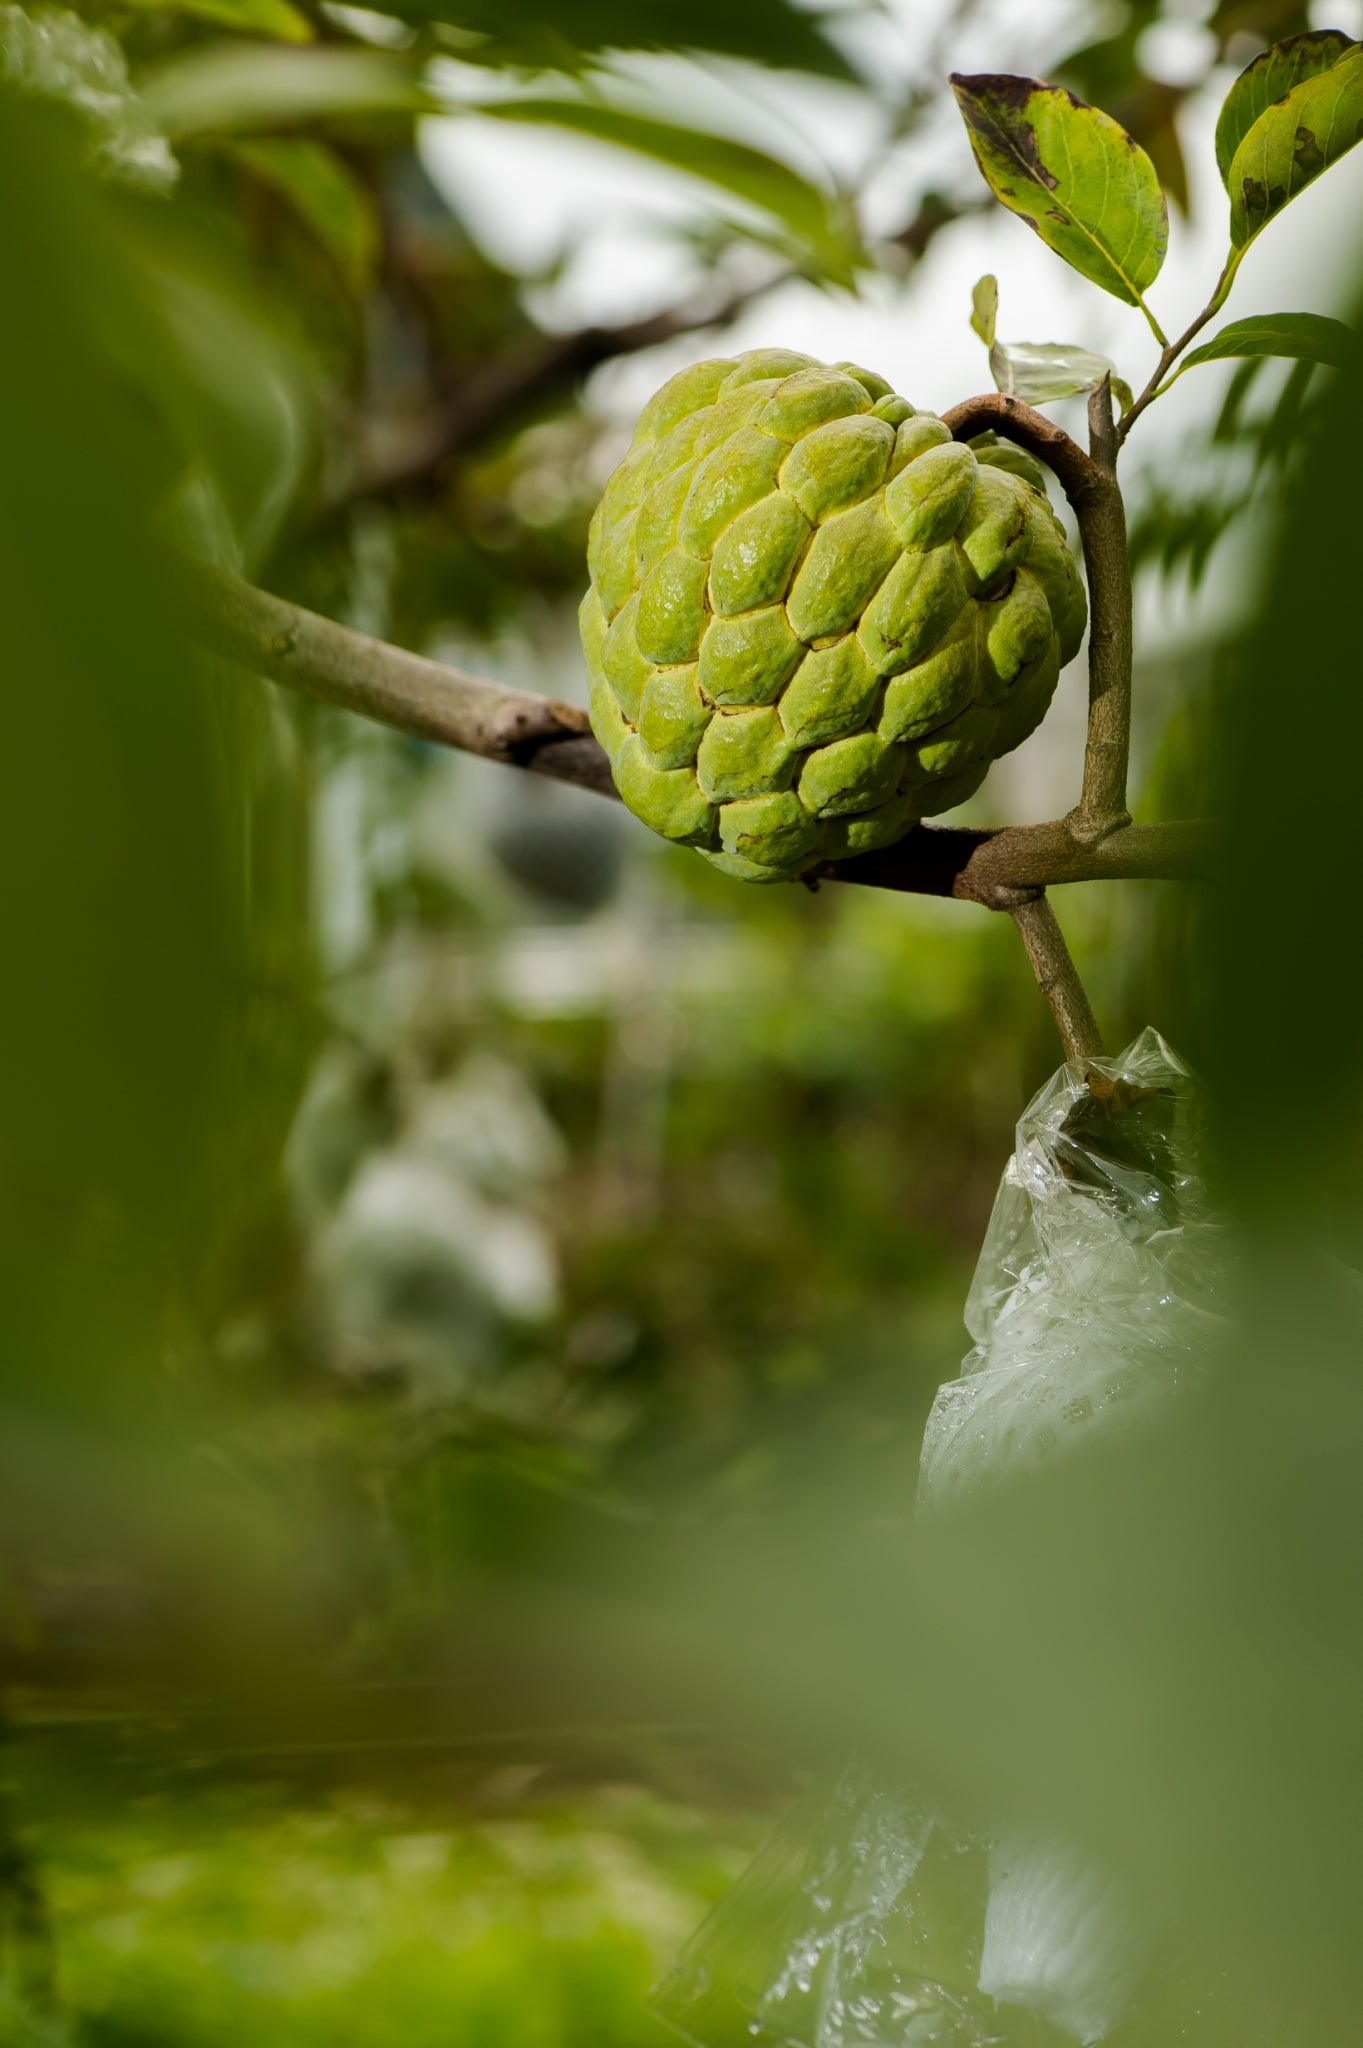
[225, 88]
[1271, 77]
[557, 35]
[1292, 142]
[253, 17]
[984, 313]
[326, 196]
[814, 218]
[1305, 337]
[1073, 174]
[1038, 372]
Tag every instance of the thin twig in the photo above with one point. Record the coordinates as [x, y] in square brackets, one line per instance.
[1174, 349]
[1058, 978]
[1089, 481]
[312, 655]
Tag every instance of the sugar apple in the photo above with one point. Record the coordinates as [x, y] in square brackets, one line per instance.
[814, 618]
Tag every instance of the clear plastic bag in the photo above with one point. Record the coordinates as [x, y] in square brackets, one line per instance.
[869, 1921]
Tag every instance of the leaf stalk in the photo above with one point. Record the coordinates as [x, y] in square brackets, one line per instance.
[1160, 380]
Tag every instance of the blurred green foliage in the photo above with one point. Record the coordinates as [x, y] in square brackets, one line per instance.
[473, 1281]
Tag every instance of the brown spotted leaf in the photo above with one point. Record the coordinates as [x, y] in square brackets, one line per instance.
[1074, 174]
[1271, 77]
[1292, 142]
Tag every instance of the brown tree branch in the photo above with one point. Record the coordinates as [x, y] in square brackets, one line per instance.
[435, 702]
[493, 395]
[1058, 978]
[1001, 868]
[429, 699]
[1089, 481]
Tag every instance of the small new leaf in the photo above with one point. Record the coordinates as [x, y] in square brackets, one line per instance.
[1301, 337]
[1039, 372]
[1292, 142]
[1086, 187]
[1271, 77]
[984, 302]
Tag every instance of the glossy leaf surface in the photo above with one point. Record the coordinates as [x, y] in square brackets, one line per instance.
[1304, 337]
[1270, 77]
[1073, 174]
[1290, 144]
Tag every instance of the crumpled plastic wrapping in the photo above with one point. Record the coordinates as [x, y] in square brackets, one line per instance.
[868, 1920]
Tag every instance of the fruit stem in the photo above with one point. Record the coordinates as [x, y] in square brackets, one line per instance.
[1089, 481]
[1058, 978]
[1102, 799]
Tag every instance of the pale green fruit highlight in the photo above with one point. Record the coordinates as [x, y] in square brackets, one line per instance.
[814, 618]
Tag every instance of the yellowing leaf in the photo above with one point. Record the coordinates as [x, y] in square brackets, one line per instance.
[1271, 77]
[1073, 174]
[1292, 142]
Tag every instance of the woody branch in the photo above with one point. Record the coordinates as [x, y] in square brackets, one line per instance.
[434, 701]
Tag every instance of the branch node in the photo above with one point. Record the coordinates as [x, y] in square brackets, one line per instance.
[1087, 828]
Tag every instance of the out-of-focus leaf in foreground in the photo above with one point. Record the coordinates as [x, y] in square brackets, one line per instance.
[249, 17]
[558, 36]
[812, 218]
[139, 1051]
[324, 193]
[231, 88]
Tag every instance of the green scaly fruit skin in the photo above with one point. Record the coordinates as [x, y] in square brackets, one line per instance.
[815, 619]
